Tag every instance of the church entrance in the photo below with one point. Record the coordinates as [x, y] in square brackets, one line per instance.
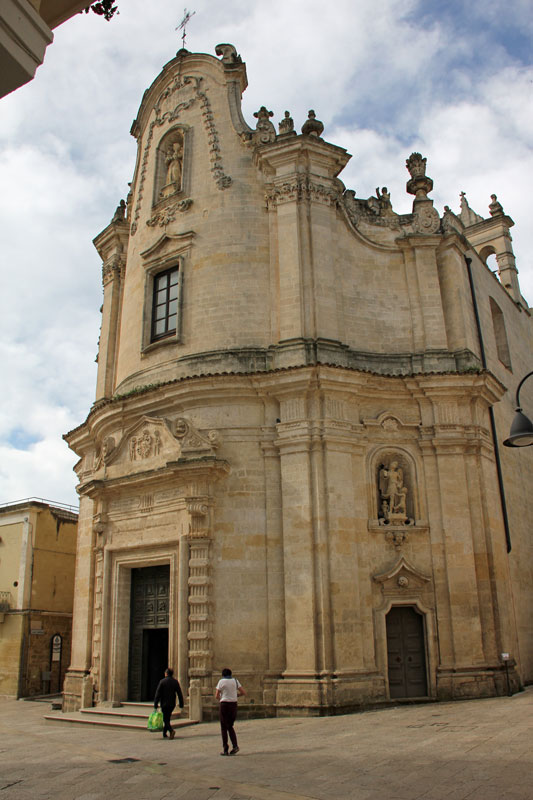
[149, 619]
[406, 653]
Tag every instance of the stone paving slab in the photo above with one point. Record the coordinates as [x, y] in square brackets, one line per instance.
[470, 750]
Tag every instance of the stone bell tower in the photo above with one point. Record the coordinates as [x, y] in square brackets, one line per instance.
[288, 468]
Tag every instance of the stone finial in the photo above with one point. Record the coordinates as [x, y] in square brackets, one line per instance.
[495, 208]
[312, 126]
[229, 54]
[265, 131]
[286, 125]
[416, 165]
[419, 185]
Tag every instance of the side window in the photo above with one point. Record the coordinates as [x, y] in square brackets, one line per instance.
[165, 304]
[500, 334]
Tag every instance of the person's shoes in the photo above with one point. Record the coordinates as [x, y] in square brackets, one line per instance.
[234, 751]
[164, 736]
[225, 753]
[172, 733]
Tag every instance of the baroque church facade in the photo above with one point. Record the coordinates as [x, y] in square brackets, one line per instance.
[293, 463]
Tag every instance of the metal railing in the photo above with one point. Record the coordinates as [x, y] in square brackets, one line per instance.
[26, 500]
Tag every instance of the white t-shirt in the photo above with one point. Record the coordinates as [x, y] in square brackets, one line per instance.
[228, 689]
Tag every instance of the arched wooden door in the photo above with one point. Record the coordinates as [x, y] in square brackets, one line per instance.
[406, 653]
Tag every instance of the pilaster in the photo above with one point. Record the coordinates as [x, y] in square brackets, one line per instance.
[112, 246]
[302, 191]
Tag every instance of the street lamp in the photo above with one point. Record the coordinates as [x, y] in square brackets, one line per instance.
[521, 433]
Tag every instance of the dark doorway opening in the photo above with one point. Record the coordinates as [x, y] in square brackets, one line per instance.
[155, 660]
[406, 653]
[149, 626]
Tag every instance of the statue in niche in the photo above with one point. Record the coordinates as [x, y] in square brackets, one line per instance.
[392, 494]
[174, 162]
[174, 165]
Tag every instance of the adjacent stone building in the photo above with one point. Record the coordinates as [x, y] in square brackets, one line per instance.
[293, 464]
[37, 557]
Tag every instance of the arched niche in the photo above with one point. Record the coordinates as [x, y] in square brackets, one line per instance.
[394, 487]
[171, 173]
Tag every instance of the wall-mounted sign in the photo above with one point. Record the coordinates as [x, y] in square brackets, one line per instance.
[56, 647]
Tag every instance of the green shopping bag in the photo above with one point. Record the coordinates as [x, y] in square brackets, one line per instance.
[155, 721]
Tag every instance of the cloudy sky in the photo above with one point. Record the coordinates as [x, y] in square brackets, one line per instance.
[451, 79]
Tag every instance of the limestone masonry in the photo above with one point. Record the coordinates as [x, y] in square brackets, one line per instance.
[291, 466]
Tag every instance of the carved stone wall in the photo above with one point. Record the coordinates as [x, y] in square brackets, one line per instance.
[313, 447]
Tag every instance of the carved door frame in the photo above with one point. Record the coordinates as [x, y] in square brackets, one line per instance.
[430, 639]
[115, 657]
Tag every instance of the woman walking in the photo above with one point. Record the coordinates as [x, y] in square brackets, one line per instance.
[227, 691]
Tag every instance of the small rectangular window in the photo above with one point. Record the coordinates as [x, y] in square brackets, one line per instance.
[165, 304]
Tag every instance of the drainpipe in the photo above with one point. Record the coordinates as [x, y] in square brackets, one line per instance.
[491, 410]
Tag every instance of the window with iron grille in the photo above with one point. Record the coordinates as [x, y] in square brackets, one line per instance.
[165, 304]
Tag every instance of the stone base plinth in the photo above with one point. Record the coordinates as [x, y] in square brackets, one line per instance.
[469, 684]
[77, 690]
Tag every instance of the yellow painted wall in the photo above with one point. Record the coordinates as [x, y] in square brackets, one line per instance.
[54, 555]
[10, 557]
[10, 639]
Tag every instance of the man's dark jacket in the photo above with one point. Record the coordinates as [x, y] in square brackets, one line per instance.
[166, 693]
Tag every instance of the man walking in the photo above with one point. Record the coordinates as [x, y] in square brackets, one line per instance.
[227, 691]
[165, 694]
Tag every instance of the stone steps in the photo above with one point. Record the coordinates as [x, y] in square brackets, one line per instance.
[128, 716]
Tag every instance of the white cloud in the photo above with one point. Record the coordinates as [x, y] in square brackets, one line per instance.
[386, 78]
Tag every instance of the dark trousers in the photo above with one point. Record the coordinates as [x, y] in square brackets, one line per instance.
[167, 712]
[228, 715]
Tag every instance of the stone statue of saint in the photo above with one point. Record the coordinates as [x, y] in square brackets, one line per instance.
[393, 493]
[174, 162]
[385, 205]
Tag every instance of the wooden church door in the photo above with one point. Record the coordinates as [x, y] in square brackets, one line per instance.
[406, 653]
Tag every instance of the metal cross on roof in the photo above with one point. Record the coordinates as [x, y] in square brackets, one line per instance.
[183, 24]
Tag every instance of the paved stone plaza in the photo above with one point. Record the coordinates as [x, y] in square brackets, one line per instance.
[480, 750]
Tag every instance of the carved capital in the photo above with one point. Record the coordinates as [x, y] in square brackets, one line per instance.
[301, 189]
[112, 268]
[196, 508]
